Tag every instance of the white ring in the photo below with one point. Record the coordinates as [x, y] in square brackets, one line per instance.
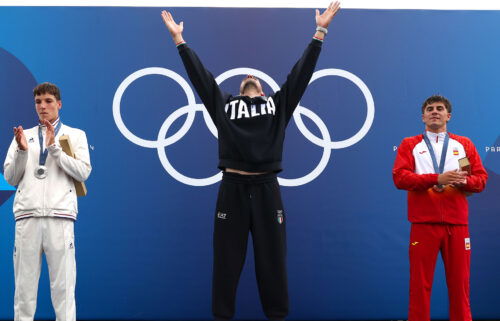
[129, 80]
[236, 72]
[163, 155]
[299, 110]
[370, 115]
[324, 159]
[191, 108]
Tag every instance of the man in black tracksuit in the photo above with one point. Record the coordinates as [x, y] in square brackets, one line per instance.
[251, 131]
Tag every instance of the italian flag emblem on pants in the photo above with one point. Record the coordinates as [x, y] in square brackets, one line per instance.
[279, 216]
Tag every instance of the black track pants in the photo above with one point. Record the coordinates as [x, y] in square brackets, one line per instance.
[250, 203]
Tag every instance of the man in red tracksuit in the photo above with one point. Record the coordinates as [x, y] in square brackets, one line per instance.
[427, 167]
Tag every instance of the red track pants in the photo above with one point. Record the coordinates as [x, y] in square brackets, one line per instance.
[426, 240]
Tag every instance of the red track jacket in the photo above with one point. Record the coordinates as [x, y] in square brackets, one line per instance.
[413, 171]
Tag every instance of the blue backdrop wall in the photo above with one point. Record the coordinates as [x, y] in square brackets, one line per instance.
[144, 231]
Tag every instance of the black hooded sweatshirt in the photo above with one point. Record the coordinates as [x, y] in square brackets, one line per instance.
[251, 131]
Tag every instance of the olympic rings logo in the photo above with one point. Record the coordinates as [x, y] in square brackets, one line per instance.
[192, 107]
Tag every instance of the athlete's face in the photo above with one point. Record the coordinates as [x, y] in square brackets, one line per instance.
[250, 86]
[435, 117]
[47, 107]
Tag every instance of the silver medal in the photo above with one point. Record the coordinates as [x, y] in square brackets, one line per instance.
[41, 172]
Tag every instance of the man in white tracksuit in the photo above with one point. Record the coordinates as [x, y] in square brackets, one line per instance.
[45, 206]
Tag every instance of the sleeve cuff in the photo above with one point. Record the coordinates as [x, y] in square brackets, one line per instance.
[54, 149]
[20, 155]
[181, 46]
[317, 42]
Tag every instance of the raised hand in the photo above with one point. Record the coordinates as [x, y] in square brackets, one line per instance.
[324, 19]
[49, 134]
[22, 144]
[174, 28]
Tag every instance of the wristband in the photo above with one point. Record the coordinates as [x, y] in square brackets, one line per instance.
[180, 43]
[321, 29]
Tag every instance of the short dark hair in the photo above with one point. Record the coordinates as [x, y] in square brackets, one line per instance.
[47, 88]
[437, 99]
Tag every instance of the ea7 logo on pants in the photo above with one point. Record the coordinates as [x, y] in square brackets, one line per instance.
[222, 216]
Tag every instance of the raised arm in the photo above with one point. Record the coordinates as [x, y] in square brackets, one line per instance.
[323, 20]
[202, 80]
[174, 28]
[298, 79]
[79, 167]
[17, 156]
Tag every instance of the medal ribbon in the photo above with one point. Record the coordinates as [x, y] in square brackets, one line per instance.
[437, 169]
[45, 152]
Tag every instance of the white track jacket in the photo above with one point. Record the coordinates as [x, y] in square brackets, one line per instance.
[55, 195]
